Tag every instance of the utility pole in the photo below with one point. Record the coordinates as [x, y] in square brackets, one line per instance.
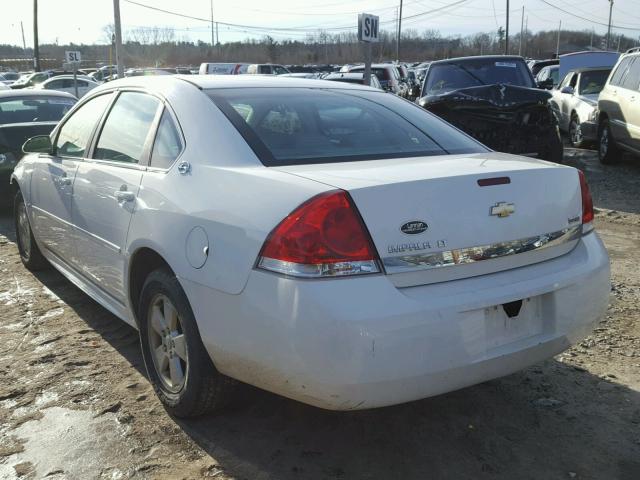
[217, 39]
[591, 43]
[506, 37]
[558, 42]
[521, 31]
[526, 34]
[212, 37]
[609, 28]
[36, 50]
[118, 28]
[399, 31]
[24, 43]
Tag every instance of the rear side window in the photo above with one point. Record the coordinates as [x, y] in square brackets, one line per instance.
[167, 145]
[125, 132]
[621, 69]
[303, 126]
[632, 79]
[74, 134]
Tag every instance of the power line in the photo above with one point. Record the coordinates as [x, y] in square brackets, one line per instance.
[308, 28]
[588, 19]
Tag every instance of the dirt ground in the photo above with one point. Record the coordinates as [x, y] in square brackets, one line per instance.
[75, 402]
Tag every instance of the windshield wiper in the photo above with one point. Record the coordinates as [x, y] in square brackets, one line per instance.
[472, 75]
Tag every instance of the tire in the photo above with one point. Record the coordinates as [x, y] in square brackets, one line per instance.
[608, 151]
[554, 151]
[179, 367]
[575, 135]
[30, 254]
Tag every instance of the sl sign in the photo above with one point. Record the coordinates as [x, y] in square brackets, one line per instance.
[72, 57]
[368, 27]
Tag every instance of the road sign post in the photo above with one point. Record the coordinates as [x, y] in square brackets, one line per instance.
[368, 33]
[72, 61]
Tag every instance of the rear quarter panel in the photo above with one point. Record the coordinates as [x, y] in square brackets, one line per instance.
[228, 193]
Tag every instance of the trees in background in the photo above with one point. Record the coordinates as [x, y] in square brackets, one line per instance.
[159, 46]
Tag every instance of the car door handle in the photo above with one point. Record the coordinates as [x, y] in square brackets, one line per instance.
[124, 196]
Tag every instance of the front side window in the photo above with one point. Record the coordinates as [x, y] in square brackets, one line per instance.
[303, 126]
[167, 145]
[127, 127]
[544, 73]
[74, 135]
[566, 80]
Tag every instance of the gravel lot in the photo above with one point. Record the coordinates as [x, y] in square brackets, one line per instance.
[75, 403]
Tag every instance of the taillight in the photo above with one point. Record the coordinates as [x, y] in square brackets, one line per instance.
[587, 204]
[323, 237]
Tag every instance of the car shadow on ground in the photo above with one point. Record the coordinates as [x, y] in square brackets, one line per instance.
[551, 421]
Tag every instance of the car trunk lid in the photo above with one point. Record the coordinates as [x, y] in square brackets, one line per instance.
[441, 218]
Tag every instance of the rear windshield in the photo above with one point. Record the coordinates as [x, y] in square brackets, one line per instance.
[296, 126]
[592, 82]
[381, 73]
[446, 77]
[34, 109]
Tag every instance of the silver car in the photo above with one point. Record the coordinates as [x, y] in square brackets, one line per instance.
[575, 103]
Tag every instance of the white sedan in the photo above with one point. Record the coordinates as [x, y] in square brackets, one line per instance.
[328, 242]
[65, 83]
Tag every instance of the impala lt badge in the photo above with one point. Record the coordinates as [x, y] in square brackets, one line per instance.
[414, 227]
[502, 209]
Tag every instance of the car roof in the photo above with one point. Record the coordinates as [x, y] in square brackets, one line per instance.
[374, 65]
[208, 82]
[65, 77]
[346, 75]
[34, 93]
[478, 57]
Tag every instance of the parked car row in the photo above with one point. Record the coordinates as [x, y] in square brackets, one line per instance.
[595, 100]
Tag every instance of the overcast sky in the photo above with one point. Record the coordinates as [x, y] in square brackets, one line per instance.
[82, 21]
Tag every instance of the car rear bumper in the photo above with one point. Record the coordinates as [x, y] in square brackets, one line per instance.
[360, 343]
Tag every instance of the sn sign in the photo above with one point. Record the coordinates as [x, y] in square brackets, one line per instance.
[368, 27]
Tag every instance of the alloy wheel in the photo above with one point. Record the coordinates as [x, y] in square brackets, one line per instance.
[575, 133]
[167, 343]
[604, 142]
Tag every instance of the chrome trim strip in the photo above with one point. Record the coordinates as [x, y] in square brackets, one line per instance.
[99, 239]
[51, 215]
[462, 256]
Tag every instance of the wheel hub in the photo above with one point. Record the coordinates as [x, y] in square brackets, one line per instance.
[167, 344]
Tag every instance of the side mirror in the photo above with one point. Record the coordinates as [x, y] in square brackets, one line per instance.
[567, 89]
[37, 144]
[546, 84]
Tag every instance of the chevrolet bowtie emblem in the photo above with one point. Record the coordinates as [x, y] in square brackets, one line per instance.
[503, 209]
